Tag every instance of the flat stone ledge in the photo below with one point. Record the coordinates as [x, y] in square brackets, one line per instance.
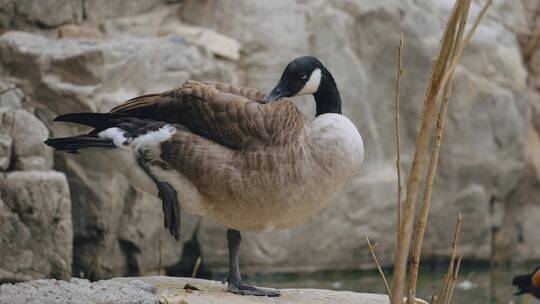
[78, 291]
[167, 290]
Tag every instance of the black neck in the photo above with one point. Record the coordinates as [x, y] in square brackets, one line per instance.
[327, 96]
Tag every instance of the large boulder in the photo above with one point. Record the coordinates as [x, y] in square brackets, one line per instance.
[488, 164]
[528, 212]
[35, 220]
[483, 146]
[22, 136]
[117, 230]
[42, 15]
[38, 14]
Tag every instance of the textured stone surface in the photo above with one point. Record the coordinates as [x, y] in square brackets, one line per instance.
[166, 290]
[482, 153]
[489, 169]
[116, 230]
[35, 220]
[526, 213]
[78, 291]
[97, 10]
[24, 134]
[10, 95]
[163, 21]
[39, 14]
[5, 151]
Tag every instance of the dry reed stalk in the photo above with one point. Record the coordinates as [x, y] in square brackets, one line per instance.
[449, 276]
[444, 288]
[434, 299]
[424, 211]
[196, 267]
[441, 74]
[466, 41]
[454, 246]
[372, 251]
[454, 280]
[432, 167]
[398, 140]
[435, 151]
[457, 50]
[409, 207]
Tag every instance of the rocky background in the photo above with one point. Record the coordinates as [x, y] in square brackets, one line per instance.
[61, 218]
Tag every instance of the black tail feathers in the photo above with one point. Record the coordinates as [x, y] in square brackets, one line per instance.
[99, 121]
[72, 144]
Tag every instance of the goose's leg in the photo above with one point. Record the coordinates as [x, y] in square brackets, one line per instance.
[167, 194]
[234, 279]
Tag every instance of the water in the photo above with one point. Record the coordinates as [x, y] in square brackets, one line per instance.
[476, 284]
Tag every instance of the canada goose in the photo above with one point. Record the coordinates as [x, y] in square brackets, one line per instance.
[251, 161]
[528, 283]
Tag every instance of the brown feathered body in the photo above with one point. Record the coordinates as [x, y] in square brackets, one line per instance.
[249, 165]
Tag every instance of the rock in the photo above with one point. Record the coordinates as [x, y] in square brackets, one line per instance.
[98, 10]
[163, 21]
[212, 41]
[50, 13]
[116, 229]
[166, 290]
[78, 291]
[35, 220]
[536, 112]
[145, 24]
[10, 95]
[486, 168]
[483, 146]
[70, 31]
[25, 133]
[5, 151]
[283, 40]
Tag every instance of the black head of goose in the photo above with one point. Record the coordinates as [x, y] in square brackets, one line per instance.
[307, 76]
[228, 153]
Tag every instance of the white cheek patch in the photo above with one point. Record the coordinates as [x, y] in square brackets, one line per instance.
[312, 85]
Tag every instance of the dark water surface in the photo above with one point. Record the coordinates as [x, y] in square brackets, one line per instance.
[476, 284]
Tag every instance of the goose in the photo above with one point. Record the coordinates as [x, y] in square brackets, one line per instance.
[528, 283]
[249, 160]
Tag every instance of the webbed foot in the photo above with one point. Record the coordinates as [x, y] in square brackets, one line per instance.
[247, 290]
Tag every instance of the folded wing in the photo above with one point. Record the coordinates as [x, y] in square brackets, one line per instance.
[226, 114]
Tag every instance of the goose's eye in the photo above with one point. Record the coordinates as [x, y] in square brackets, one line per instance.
[303, 76]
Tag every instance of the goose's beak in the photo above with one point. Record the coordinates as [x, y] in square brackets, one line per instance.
[279, 91]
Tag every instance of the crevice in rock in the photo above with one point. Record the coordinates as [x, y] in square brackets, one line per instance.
[131, 250]
[83, 248]
[190, 252]
[8, 280]
[83, 8]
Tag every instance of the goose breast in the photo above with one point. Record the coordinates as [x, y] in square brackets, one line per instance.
[273, 188]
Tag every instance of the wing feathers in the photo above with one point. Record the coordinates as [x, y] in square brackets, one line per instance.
[72, 144]
[136, 102]
[99, 121]
[229, 115]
